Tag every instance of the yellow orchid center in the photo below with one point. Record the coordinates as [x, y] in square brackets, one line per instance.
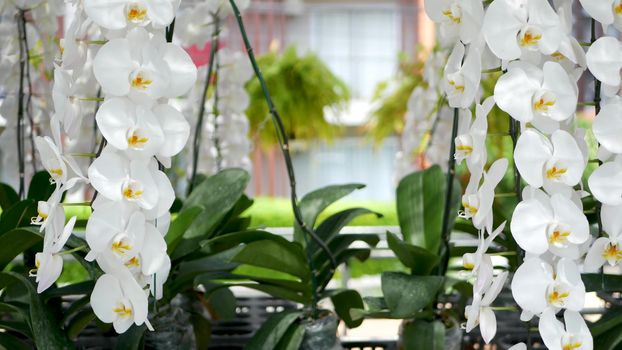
[470, 209]
[452, 17]
[457, 87]
[41, 214]
[132, 190]
[140, 82]
[530, 38]
[121, 247]
[557, 297]
[465, 148]
[612, 253]
[468, 265]
[559, 237]
[136, 13]
[133, 262]
[558, 56]
[123, 311]
[617, 8]
[137, 141]
[555, 173]
[572, 345]
[56, 171]
[543, 104]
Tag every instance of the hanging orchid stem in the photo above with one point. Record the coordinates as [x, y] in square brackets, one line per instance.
[91, 99]
[76, 204]
[585, 44]
[76, 249]
[586, 104]
[505, 195]
[31, 120]
[84, 155]
[451, 173]
[492, 70]
[597, 86]
[20, 105]
[95, 42]
[504, 308]
[216, 112]
[284, 143]
[510, 253]
[198, 131]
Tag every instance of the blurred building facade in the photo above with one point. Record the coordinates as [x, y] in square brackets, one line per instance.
[359, 41]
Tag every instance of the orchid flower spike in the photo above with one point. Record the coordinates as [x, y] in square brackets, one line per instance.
[554, 223]
[471, 139]
[477, 200]
[606, 250]
[514, 28]
[604, 60]
[480, 312]
[461, 82]
[537, 285]
[573, 334]
[544, 97]
[121, 14]
[458, 19]
[543, 162]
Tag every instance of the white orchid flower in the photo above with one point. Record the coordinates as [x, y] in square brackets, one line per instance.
[512, 28]
[604, 60]
[120, 14]
[471, 141]
[116, 229]
[554, 223]
[473, 261]
[137, 181]
[141, 132]
[144, 68]
[606, 250]
[49, 263]
[119, 300]
[607, 12]
[63, 169]
[478, 200]
[156, 281]
[537, 286]
[526, 92]
[462, 76]
[604, 183]
[573, 334]
[457, 18]
[480, 312]
[541, 161]
[607, 126]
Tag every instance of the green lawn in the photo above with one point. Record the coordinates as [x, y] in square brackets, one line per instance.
[277, 212]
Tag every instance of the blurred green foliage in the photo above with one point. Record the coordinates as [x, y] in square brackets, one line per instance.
[302, 88]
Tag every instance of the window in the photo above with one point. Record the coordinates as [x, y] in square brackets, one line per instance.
[360, 44]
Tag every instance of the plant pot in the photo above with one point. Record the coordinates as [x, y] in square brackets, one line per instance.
[418, 334]
[321, 333]
[173, 329]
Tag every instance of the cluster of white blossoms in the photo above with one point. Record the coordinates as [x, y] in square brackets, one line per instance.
[225, 143]
[138, 72]
[531, 42]
[27, 33]
[227, 128]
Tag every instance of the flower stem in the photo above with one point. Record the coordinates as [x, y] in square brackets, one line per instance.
[284, 143]
[198, 131]
[20, 105]
[84, 155]
[91, 99]
[492, 70]
[597, 86]
[73, 250]
[76, 204]
[449, 187]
